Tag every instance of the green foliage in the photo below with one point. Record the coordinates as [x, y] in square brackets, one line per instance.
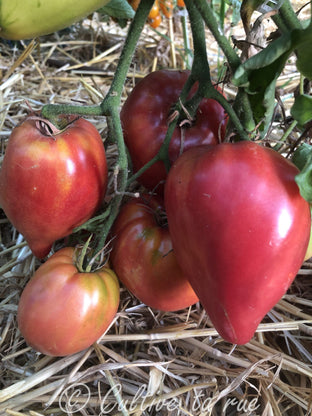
[258, 76]
[302, 109]
[304, 53]
[119, 9]
[303, 160]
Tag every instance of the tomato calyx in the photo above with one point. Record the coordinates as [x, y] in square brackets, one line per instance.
[85, 259]
[46, 127]
[155, 207]
[183, 117]
[50, 129]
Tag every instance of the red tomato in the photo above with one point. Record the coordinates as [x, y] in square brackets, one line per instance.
[62, 311]
[51, 184]
[144, 118]
[143, 259]
[240, 230]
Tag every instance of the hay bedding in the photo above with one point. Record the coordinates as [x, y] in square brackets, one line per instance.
[149, 362]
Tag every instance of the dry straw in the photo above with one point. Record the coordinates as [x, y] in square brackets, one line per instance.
[149, 362]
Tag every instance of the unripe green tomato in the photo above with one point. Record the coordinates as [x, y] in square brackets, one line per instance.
[26, 19]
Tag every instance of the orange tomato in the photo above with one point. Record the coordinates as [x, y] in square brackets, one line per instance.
[154, 23]
[154, 10]
[166, 6]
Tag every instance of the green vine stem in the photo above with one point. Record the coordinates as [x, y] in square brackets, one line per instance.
[241, 114]
[113, 97]
[201, 72]
[121, 169]
[288, 16]
[187, 48]
[110, 107]
[211, 22]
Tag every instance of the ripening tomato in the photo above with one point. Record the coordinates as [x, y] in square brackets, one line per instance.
[51, 183]
[143, 259]
[154, 10]
[144, 118]
[166, 6]
[62, 311]
[155, 21]
[239, 229]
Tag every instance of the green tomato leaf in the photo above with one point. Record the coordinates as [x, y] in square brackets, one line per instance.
[260, 85]
[302, 109]
[302, 158]
[301, 155]
[258, 76]
[120, 9]
[263, 59]
[304, 181]
[304, 55]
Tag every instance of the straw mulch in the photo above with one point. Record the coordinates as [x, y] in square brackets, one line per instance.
[149, 362]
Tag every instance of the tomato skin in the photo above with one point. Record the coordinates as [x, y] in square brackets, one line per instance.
[143, 259]
[240, 230]
[155, 21]
[62, 311]
[50, 185]
[144, 118]
[154, 10]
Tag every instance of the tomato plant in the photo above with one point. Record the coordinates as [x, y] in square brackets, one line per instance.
[63, 311]
[52, 183]
[143, 259]
[144, 118]
[239, 228]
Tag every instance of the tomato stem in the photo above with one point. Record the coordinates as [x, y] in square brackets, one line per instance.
[81, 257]
[242, 118]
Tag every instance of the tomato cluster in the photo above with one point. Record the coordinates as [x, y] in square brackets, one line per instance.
[52, 181]
[225, 223]
[159, 8]
[238, 225]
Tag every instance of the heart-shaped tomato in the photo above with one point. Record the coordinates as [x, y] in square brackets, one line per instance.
[145, 116]
[240, 230]
[51, 183]
[143, 259]
[62, 310]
